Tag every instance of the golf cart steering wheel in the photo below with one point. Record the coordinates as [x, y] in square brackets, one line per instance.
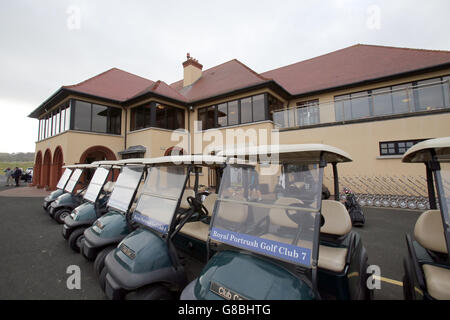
[293, 216]
[197, 206]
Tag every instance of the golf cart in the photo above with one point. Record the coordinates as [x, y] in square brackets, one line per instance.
[71, 198]
[96, 197]
[427, 266]
[108, 230]
[291, 244]
[59, 187]
[146, 264]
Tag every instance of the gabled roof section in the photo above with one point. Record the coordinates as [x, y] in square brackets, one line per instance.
[163, 89]
[114, 84]
[224, 78]
[353, 65]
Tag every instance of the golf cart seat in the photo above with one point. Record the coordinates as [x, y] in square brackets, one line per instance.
[337, 223]
[429, 233]
[199, 229]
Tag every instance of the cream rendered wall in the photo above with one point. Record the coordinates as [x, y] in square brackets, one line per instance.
[74, 143]
[155, 140]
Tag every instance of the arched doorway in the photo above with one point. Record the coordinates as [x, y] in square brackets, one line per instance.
[174, 151]
[56, 168]
[45, 171]
[37, 170]
[96, 153]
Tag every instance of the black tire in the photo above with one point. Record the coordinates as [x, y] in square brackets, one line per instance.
[102, 278]
[61, 214]
[99, 262]
[76, 239]
[151, 292]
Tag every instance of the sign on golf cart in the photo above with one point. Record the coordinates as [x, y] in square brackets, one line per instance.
[159, 197]
[64, 178]
[280, 225]
[125, 187]
[96, 184]
[70, 186]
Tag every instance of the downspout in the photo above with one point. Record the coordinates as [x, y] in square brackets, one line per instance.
[126, 125]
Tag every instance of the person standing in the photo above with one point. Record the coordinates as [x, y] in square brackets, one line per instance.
[17, 175]
[8, 173]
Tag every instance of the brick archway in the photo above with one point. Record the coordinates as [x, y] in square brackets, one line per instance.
[56, 167]
[45, 170]
[174, 151]
[96, 153]
[37, 169]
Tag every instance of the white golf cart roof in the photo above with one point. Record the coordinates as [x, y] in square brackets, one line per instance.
[81, 166]
[291, 152]
[201, 160]
[421, 152]
[137, 161]
[116, 164]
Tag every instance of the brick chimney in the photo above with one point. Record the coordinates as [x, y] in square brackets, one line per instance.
[192, 70]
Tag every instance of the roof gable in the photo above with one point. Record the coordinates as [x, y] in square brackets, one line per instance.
[221, 79]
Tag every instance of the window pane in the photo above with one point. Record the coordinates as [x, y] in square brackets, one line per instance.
[429, 95]
[180, 119]
[160, 116]
[99, 118]
[446, 89]
[275, 111]
[222, 115]
[402, 98]
[82, 116]
[308, 113]
[68, 115]
[114, 121]
[343, 108]
[202, 116]
[58, 122]
[259, 112]
[63, 119]
[246, 110]
[360, 106]
[48, 126]
[382, 102]
[233, 115]
[173, 118]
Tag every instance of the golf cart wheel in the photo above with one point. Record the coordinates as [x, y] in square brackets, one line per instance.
[61, 214]
[151, 292]
[76, 239]
[102, 278]
[99, 262]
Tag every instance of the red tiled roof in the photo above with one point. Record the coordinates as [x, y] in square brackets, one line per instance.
[114, 84]
[352, 65]
[226, 77]
[162, 88]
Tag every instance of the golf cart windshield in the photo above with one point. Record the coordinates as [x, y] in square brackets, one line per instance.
[273, 215]
[70, 186]
[160, 196]
[125, 187]
[64, 178]
[96, 184]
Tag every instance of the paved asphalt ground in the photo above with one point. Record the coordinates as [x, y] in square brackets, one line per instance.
[34, 257]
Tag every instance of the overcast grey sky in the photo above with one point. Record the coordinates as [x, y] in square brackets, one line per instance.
[46, 44]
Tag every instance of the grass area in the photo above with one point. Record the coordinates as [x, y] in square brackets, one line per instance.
[24, 165]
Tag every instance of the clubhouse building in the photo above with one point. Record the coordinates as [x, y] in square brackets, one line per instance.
[372, 101]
